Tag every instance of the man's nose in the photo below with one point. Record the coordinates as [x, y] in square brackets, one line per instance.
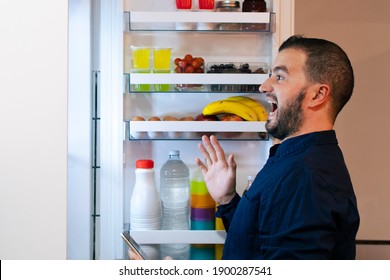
[266, 86]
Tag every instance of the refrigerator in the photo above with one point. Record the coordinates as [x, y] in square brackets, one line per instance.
[116, 141]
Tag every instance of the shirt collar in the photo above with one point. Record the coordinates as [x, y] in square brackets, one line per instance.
[295, 143]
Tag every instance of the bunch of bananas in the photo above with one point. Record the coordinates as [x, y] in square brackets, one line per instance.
[243, 106]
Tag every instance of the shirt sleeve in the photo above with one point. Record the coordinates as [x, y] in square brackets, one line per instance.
[226, 211]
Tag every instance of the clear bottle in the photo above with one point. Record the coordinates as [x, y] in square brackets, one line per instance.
[175, 197]
[228, 6]
[254, 6]
[145, 204]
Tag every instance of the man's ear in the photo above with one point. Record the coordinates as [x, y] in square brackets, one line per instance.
[320, 95]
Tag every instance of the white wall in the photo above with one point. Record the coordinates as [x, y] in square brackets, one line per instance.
[363, 128]
[33, 127]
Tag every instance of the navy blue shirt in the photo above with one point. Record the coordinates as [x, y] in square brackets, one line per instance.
[300, 206]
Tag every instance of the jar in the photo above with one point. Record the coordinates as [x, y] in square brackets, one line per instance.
[257, 6]
[228, 6]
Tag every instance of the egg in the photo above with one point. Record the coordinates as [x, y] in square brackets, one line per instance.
[138, 134]
[154, 134]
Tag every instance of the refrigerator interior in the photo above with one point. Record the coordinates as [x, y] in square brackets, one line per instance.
[229, 47]
[117, 104]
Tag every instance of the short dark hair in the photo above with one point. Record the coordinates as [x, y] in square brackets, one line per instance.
[326, 63]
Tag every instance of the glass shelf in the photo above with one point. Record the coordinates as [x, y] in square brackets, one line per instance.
[245, 83]
[179, 236]
[196, 21]
[193, 130]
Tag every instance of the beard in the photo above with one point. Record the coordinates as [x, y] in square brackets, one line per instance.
[288, 119]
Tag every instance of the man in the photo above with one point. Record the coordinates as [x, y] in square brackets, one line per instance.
[301, 204]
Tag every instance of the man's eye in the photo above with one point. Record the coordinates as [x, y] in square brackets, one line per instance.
[279, 77]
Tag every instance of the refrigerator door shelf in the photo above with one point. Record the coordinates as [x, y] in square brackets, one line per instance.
[210, 79]
[195, 20]
[197, 126]
[193, 130]
[172, 82]
[179, 236]
[195, 16]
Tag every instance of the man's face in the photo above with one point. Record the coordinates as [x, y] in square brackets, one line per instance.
[285, 91]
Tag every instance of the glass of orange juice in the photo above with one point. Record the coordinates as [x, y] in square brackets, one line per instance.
[162, 58]
[141, 64]
[141, 57]
[162, 64]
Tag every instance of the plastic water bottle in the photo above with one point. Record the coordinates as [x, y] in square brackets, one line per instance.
[145, 204]
[175, 197]
[175, 193]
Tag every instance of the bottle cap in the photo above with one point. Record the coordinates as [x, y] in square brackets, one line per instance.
[174, 153]
[144, 163]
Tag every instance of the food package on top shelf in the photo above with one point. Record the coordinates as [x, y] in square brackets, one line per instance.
[236, 68]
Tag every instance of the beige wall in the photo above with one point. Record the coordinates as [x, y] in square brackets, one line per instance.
[362, 28]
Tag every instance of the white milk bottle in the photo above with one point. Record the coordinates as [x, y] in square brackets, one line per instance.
[145, 204]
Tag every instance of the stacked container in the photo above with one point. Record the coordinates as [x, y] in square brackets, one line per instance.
[202, 216]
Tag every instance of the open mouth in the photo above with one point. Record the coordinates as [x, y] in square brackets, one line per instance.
[274, 106]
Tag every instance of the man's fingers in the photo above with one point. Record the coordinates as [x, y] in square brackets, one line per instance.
[205, 154]
[219, 152]
[208, 151]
